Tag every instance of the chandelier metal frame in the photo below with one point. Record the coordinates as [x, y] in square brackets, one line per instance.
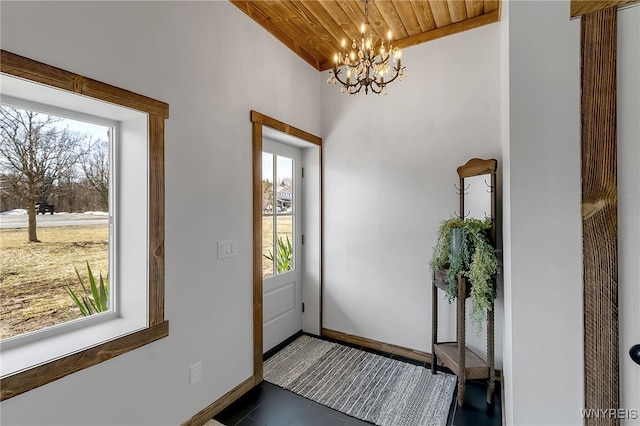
[362, 64]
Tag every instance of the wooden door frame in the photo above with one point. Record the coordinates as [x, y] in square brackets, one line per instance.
[258, 120]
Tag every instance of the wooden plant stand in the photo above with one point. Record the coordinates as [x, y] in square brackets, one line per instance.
[455, 355]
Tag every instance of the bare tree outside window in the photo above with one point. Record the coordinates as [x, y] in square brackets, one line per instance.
[36, 152]
[96, 171]
[53, 165]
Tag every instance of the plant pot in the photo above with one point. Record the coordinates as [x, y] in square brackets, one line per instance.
[456, 241]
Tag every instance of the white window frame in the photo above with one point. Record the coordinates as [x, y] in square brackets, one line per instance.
[114, 126]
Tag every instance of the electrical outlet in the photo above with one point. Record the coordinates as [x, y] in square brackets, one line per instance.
[195, 373]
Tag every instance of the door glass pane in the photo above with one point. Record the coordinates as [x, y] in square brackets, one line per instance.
[285, 184]
[277, 214]
[267, 246]
[285, 243]
[267, 183]
[268, 196]
[284, 209]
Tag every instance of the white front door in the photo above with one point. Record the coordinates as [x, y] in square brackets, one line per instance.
[281, 242]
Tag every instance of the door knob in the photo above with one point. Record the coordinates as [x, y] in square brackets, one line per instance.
[634, 353]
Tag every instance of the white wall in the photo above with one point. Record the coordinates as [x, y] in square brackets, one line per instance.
[389, 169]
[312, 261]
[542, 227]
[180, 53]
[389, 166]
[629, 203]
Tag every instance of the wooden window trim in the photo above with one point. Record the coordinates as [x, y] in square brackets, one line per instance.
[158, 327]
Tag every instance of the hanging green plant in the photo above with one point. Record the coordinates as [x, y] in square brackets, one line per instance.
[476, 259]
[442, 249]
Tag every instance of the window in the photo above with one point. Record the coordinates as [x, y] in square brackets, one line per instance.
[136, 225]
[54, 162]
[277, 214]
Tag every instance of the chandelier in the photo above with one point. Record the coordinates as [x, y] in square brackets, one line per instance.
[363, 67]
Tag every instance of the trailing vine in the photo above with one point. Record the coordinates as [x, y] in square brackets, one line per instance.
[442, 249]
[476, 260]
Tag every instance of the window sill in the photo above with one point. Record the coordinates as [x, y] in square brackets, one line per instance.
[32, 378]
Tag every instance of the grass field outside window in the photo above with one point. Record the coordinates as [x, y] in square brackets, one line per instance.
[33, 276]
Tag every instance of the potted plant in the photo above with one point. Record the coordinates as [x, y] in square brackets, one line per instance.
[475, 259]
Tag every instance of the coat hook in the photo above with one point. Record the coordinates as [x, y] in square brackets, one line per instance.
[462, 191]
[463, 217]
[491, 189]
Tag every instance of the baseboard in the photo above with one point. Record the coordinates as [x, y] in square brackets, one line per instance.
[385, 347]
[227, 399]
[378, 346]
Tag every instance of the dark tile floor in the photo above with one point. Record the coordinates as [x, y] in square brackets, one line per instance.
[269, 405]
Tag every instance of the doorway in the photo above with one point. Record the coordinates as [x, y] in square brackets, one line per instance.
[281, 242]
[309, 224]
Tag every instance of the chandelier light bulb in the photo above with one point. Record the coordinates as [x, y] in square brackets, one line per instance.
[361, 67]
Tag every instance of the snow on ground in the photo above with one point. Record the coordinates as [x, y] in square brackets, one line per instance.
[14, 212]
[24, 212]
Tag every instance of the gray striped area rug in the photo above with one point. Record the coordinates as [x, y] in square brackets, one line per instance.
[370, 387]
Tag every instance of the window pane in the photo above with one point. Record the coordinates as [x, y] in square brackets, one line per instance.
[267, 182]
[267, 246]
[285, 184]
[285, 244]
[268, 195]
[55, 219]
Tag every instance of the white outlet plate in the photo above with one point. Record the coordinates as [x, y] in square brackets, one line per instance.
[227, 248]
[195, 373]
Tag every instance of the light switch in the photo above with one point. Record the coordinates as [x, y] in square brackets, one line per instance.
[227, 248]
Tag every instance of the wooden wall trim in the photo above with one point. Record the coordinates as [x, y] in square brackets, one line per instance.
[599, 212]
[156, 219]
[257, 117]
[220, 404]
[19, 66]
[436, 33]
[376, 345]
[41, 375]
[584, 7]
[447, 30]
[257, 251]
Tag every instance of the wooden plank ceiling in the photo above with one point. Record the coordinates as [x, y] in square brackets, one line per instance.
[314, 29]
